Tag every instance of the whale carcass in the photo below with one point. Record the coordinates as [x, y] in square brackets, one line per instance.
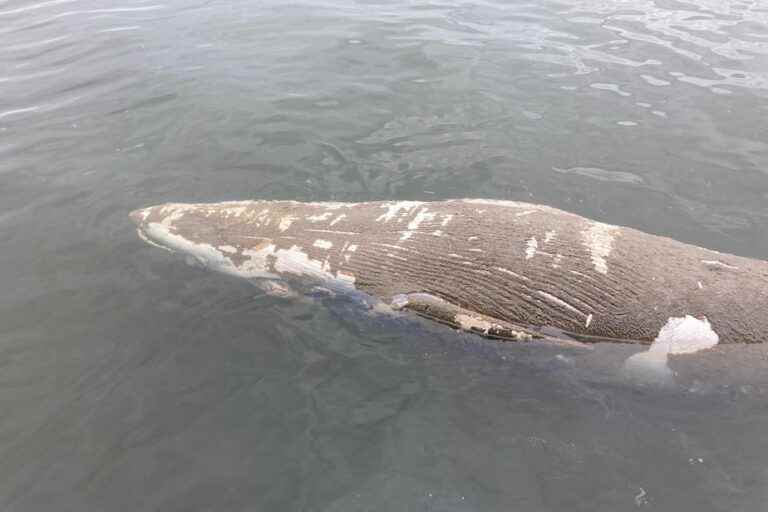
[502, 269]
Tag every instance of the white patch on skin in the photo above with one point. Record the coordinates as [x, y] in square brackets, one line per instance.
[349, 278]
[399, 301]
[319, 218]
[549, 235]
[329, 205]
[390, 246]
[701, 286]
[144, 212]
[234, 211]
[559, 302]
[680, 335]
[526, 212]
[454, 255]
[323, 244]
[717, 263]
[263, 216]
[599, 240]
[473, 238]
[285, 222]
[589, 321]
[685, 335]
[150, 242]
[206, 254]
[446, 219]
[352, 248]
[257, 264]
[394, 209]
[420, 217]
[332, 231]
[296, 261]
[338, 219]
[515, 274]
[507, 204]
[276, 289]
[228, 248]
[471, 323]
[531, 246]
[395, 256]
[437, 233]
[558, 259]
[475, 249]
[423, 215]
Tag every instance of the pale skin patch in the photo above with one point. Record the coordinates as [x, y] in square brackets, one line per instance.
[349, 278]
[718, 263]
[394, 209]
[320, 218]
[531, 245]
[598, 239]
[498, 202]
[549, 236]
[421, 216]
[515, 274]
[338, 219]
[559, 302]
[285, 222]
[331, 231]
[322, 244]
[680, 335]
[390, 246]
[469, 323]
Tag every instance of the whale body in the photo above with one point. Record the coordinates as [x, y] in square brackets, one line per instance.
[502, 269]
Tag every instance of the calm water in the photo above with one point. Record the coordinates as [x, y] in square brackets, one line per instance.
[130, 381]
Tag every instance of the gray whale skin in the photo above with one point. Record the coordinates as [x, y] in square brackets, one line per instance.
[501, 269]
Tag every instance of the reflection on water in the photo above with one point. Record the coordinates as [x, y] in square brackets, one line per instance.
[130, 381]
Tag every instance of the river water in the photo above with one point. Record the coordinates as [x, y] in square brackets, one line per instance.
[130, 381]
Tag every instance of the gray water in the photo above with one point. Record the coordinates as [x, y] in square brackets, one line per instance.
[130, 381]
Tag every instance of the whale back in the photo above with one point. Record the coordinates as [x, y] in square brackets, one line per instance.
[516, 262]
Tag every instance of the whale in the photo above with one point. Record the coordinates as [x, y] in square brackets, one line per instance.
[506, 270]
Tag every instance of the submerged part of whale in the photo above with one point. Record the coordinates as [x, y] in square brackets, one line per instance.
[502, 269]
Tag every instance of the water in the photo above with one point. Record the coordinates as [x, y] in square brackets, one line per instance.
[132, 382]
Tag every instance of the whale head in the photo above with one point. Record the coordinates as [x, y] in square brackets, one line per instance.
[211, 235]
[245, 238]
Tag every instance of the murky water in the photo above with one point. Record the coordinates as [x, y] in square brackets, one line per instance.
[132, 382]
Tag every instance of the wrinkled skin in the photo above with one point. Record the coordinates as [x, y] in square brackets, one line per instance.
[499, 268]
